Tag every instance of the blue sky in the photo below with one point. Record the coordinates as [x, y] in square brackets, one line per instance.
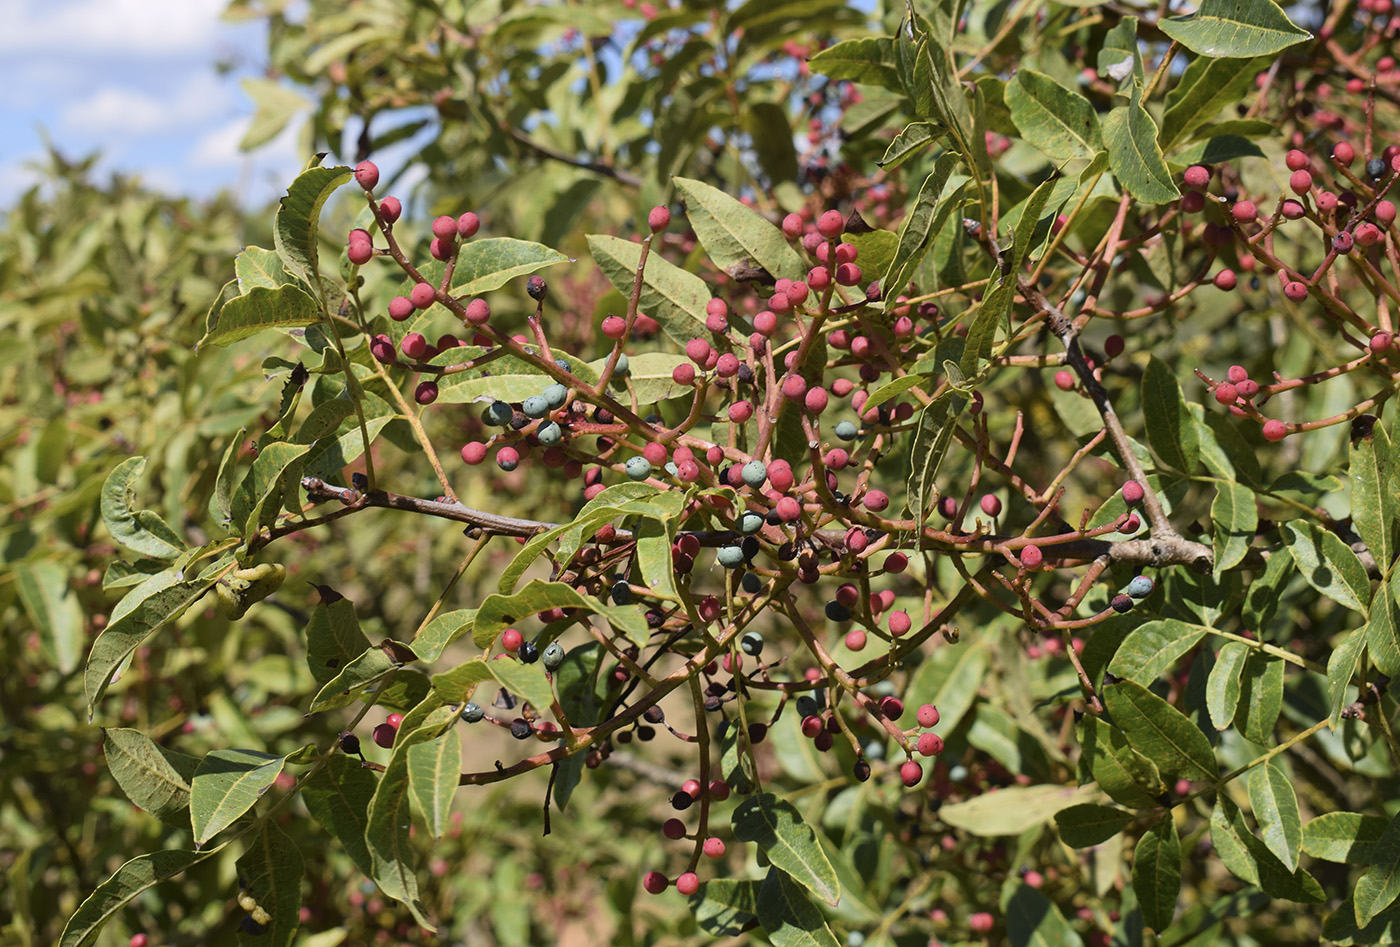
[135, 80]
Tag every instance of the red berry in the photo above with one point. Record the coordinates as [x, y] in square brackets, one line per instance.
[848, 274]
[1368, 235]
[426, 392]
[366, 175]
[1225, 280]
[891, 708]
[1064, 380]
[422, 295]
[714, 847]
[511, 640]
[1292, 210]
[688, 883]
[1031, 557]
[930, 744]
[1197, 177]
[911, 772]
[719, 790]
[673, 829]
[1236, 374]
[1226, 393]
[1133, 493]
[1343, 153]
[444, 227]
[659, 219]
[1275, 430]
[830, 224]
[991, 504]
[394, 720]
[138, 940]
[655, 882]
[360, 251]
[473, 452]
[900, 623]
[1113, 346]
[478, 312]
[390, 209]
[1193, 202]
[683, 374]
[382, 348]
[855, 640]
[1300, 182]
[414, 345]
[400, 308]
[980, 923]
[1385, 213]
[1245, 212]
[1295, 291]
[876, 501]
[928, 716]
[467, 225]
[816, 400]
[384, 735]
[1381, 341]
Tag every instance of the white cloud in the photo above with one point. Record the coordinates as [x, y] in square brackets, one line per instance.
[133, 28]
[124, 112]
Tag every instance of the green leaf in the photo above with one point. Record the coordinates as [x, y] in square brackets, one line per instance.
[1152, 648]
[1383, 628]
[1160, 732]
[259, 496]
[126, 884]
[937, 422]
[488, 264]
[1341, 665]
[733, 234]
[1060, 123]
[337, 795]
[141, 531]
[153, 777]
[770, 132]
[925, 218]
[1128, 777]
[345, 688]
[299, 218]
[434, 769]
[526, 680]
[333, 637]
[1261, 697]
[777, 828]
[1120, 48]
[1234, 519]
[1015, 809]
[1207, 87]
[1263, 594]
[226, 785]
[1033, 920]
[1250, 859]
[1235, 29]
[724, 907]
[499, 612]
[1378, 888]
[444, 629]
[221, 499]
[270, 872]
[1328, 564]
[54, 609]
[1157, 873]
[1348, 837]
[788, 916]
[255, 266]
[1171, 431]
[162, 598]
[1089, 824]
[1223, 684]
[869, 60]
[674, 297]
[276, 105]
[1130, 136]
[949, 678]
[1275, 808]
[651, 376]
[914, 138]
[242, 317]
[1375, 508]
[456, 685]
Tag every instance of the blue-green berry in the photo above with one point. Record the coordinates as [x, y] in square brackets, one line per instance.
[535, 406]
[563, 363]
[750, 523]
[623, 365]
[498, 414]
[957, 773]
[751, 583]
[549, 434]
[731, 557]
[752, 643]
[754, 473]
[846, 430]
[1140, 587]
[472, 712]
[807, 706]
[622, 593]
[555, 395]
[672, 469]
[874, 750]
[638, 468]
[553, 657]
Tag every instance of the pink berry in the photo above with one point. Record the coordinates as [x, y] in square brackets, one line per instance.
[1343, 153]
[473, 452]
[138, 940]
[382, 348]
[659, 218]
[900, 623]
[819, 278]
[930, 744]
[911, 772]
[876, 500]
[507, 458]
[466, 226]
[444, 228]
[1300, 182]
[980, 923]
[414, 345]
[1031, 557]
[1368, 234]
[511, 640]
[1385, 213]
[792, 226]
[1193, 202]
[359, 249]
[848, 274]
[928, 716]
[1236, 374]
[478, 312]
[697, 350]
[366, 175]
[794, 387]
[422, 295]
[991, 504]
[1275, 430]
[816, 400]
[1197, 177]
[1225, 280]
[1133, 493]
[390, 209]
[384, 735]
[1292, 210]
[441, 249]
[688, 883]
[830, 224]
[1295, 291]
[1064, 380]
[400, 308]
[1296, 160]
[714, 847]
[1381, 341]
[1226, 393]
[1245, 212]
[855, 640]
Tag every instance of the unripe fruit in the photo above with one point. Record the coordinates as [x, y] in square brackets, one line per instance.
[507, 458]
[1275, 430]
[991, 504]
[1385, 213]
[1193, 202]
[414, 345]
[1245, 212]
[848, 274]
[730, 557]
[441, 249]
[400, 308]
[740, 411]
[140, 940]
[1121, 603]
[422, 295]
[1032, 557]
[467, 225]
[1292, 210]
[1380, 342]
[928, 716]
[1368, 235]
[359, 250]
[816, 400]
[900, 623]
[1237, 374]
[1300, 182]
[819, 278]
[830, 224]
[536, 288]
[655, 882]
[794, 387]
[444, 228]
[1343, 153]
[911, 772]
[714, 847]
[688, 883]
[1295, 160]
[1064, 380]
[366, 175]
[876, 501]
[1196, 177]
[659, 219]
[1133, 492]
[1295, 291]
[1342, 242]
[384, 735]
[930, 744]
[390, 209]
[1226, 393]
[638, 468]
[1225, 280]
[891, 708]
[980, 923]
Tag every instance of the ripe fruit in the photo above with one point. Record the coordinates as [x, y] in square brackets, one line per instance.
[478, 312]
[350, 743]
[911, 772]
[507, 458]
[529, 652]
[1121, 603]
[384, 735]
[536, 288]
[855, 640]
[359, 248]
[1375, 169]
[367, 176]
[426, 392]
[511, 639]
[382, 348]
[876, 501]
[655, 882]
